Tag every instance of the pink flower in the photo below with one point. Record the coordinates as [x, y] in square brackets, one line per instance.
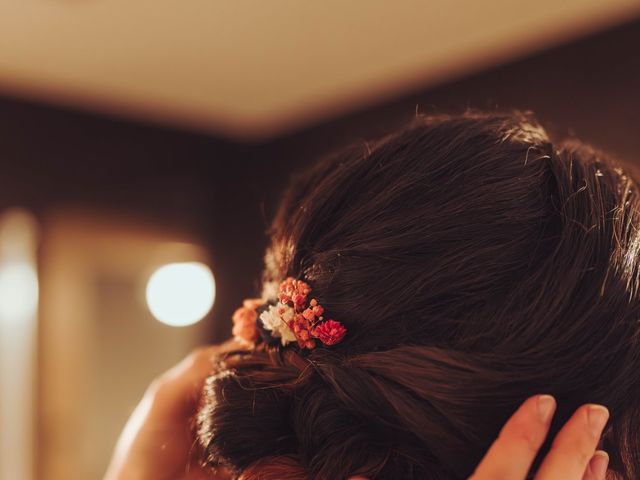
[330, 332]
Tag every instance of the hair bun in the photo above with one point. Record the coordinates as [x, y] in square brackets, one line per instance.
[245, 411]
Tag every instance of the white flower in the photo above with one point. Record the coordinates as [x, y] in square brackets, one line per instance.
[286, 313]
[275, 320]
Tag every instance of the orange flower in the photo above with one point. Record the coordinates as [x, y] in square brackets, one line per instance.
[302, 331]
[308, 314]
[292, 290]
[309, 344]
[252, 303]
[244, 321]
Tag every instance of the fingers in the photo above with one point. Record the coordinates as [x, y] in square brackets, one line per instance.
[575, 445]
[518, 441]
[597, 469]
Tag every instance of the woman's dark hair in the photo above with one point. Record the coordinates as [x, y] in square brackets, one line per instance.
[474, 263]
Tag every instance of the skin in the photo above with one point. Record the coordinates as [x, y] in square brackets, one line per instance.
[573, 454]
[157, 443]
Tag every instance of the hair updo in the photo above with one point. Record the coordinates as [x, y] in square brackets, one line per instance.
[474, 263]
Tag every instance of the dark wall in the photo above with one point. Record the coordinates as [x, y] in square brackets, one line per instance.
[226, 192]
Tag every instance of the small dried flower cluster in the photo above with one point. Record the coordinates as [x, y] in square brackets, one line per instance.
[305, 321]
[290, 320]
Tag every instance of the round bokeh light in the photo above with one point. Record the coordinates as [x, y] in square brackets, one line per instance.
[181, 294]
[18, 292]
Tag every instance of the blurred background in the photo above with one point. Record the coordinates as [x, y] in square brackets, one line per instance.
[143, 146]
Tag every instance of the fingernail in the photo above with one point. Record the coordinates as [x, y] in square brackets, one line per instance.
[599, 463]
[598, 416]
[546, 406]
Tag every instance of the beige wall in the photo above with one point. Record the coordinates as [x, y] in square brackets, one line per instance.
[100, 346]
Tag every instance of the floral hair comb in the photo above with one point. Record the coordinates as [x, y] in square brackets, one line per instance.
[292, 319]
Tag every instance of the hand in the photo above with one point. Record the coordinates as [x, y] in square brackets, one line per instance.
[157, 441]
[572, 456]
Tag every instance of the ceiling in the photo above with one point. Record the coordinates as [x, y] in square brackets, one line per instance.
[251, 69]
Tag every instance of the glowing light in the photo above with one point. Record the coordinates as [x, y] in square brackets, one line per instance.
[18, 334]
[18, 292]
[181, 294]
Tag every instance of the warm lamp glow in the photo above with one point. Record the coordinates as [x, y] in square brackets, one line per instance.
[18, 344]
[181, 294]
[18, 292]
